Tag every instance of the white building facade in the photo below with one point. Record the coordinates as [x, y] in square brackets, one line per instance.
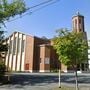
[15, 55]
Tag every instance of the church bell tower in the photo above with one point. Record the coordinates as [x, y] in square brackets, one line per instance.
[78, 24]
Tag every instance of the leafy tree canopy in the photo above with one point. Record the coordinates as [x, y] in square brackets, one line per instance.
[8, 9]
[71, 47]
[11, 8]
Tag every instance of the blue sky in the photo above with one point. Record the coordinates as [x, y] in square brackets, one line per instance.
[45, 21]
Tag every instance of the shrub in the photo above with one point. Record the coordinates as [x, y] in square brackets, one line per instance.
[2, 68]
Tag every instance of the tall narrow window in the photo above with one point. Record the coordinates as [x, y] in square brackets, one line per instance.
[10, 47]
[23, 45]
[19, 45]
[76, 25]
[79, 21]
[75, 21]
[14, 46]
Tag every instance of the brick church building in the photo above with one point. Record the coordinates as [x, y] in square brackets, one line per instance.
[34, 54]
[30, 53]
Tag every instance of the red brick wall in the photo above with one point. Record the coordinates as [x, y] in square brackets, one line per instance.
[29, 52]
[37, 43]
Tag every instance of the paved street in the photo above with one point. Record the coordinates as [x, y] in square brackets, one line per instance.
[44, 81]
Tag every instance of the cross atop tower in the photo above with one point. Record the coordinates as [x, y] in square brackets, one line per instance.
[77, 13]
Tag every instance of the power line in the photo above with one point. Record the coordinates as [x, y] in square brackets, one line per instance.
[43, 5]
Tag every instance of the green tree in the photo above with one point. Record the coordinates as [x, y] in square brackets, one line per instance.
[2, 68]
[3, 49]
[71, 48]
[11, 8]
[8, 9]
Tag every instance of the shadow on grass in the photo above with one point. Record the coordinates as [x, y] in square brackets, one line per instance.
[42, 80]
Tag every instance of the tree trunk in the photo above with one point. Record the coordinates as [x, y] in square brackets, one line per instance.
[8, 78]
[76, 78]
[59, 78]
